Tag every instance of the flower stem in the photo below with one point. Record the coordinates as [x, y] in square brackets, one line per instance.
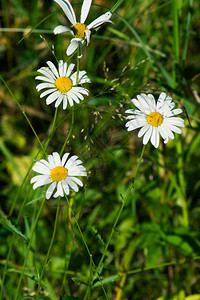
[28, 247]
[49, 250]
[179, 149]
[122, 207]
[86, 246]
[115, 6]
[72, 121]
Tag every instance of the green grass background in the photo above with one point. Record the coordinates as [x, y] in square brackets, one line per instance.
[154, 252]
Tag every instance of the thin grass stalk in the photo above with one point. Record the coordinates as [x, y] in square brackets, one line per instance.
[179, 149]
[88, 292]
[49, 249]
[29, 246]
[86, 246]
[122, 207]
[187, 35]
[116, 5]
[19, 215]
[27, 174]
[22, 111]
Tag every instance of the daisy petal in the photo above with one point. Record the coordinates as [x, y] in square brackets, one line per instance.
[53, 68]
[68, 10]
[50, 190]
[47, 92]
[56, 158]
[78, 181]
[60, 189]
[72, 47]
[51, 98]
[42, 86]
[105, 18]
[147, 135]
[65, 187]
[85, 10]
[43, 181]
[72, 184]
[64, 158]
[155, 137]
[69, 70]
[39, 178]
[61, 29]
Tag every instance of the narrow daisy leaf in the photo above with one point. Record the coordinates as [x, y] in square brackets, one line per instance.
[154, 119]
[60, 173]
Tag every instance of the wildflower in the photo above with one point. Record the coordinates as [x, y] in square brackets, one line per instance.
[60, 84]
[154, 119]
[79, 30]
[60, 173]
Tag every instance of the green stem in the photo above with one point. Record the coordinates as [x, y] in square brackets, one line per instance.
[88, 292]
[72, 122]
[86, 246]
[52, 129]
[171, 263]
[181, 178]
[28, 247]
[115, 6]
[179, 149]
[27, 174]
[121, 208]
[69, 134]
[49, 250]
[185, 48]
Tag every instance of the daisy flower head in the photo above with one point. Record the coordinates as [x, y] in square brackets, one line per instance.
[60, 85]
[154, 119]
[79, 30]
[60, 173]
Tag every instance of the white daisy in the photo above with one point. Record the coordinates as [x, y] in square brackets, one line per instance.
[79, 30]
[59, 173]
[60, 84]
[154, 119]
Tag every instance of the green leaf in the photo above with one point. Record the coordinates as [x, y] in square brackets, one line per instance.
[180, 243]
[8, 225]
[79, 281]
[97, 235]
[107, 280]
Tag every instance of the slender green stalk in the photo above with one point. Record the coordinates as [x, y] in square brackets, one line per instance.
[187, 35]
[72, 121]
[121, 208]
[49, 250]
[27, 174]
[175, 29]
[86, 246]
[88, 292]
[22, 111]
[52, 130]
[181, 177]
[28, 247]
[115, 6]
[179, 149]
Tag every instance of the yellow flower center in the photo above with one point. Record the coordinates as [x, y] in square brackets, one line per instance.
[155, 119]
[63, 84]
[58, 173]
[79, 30]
